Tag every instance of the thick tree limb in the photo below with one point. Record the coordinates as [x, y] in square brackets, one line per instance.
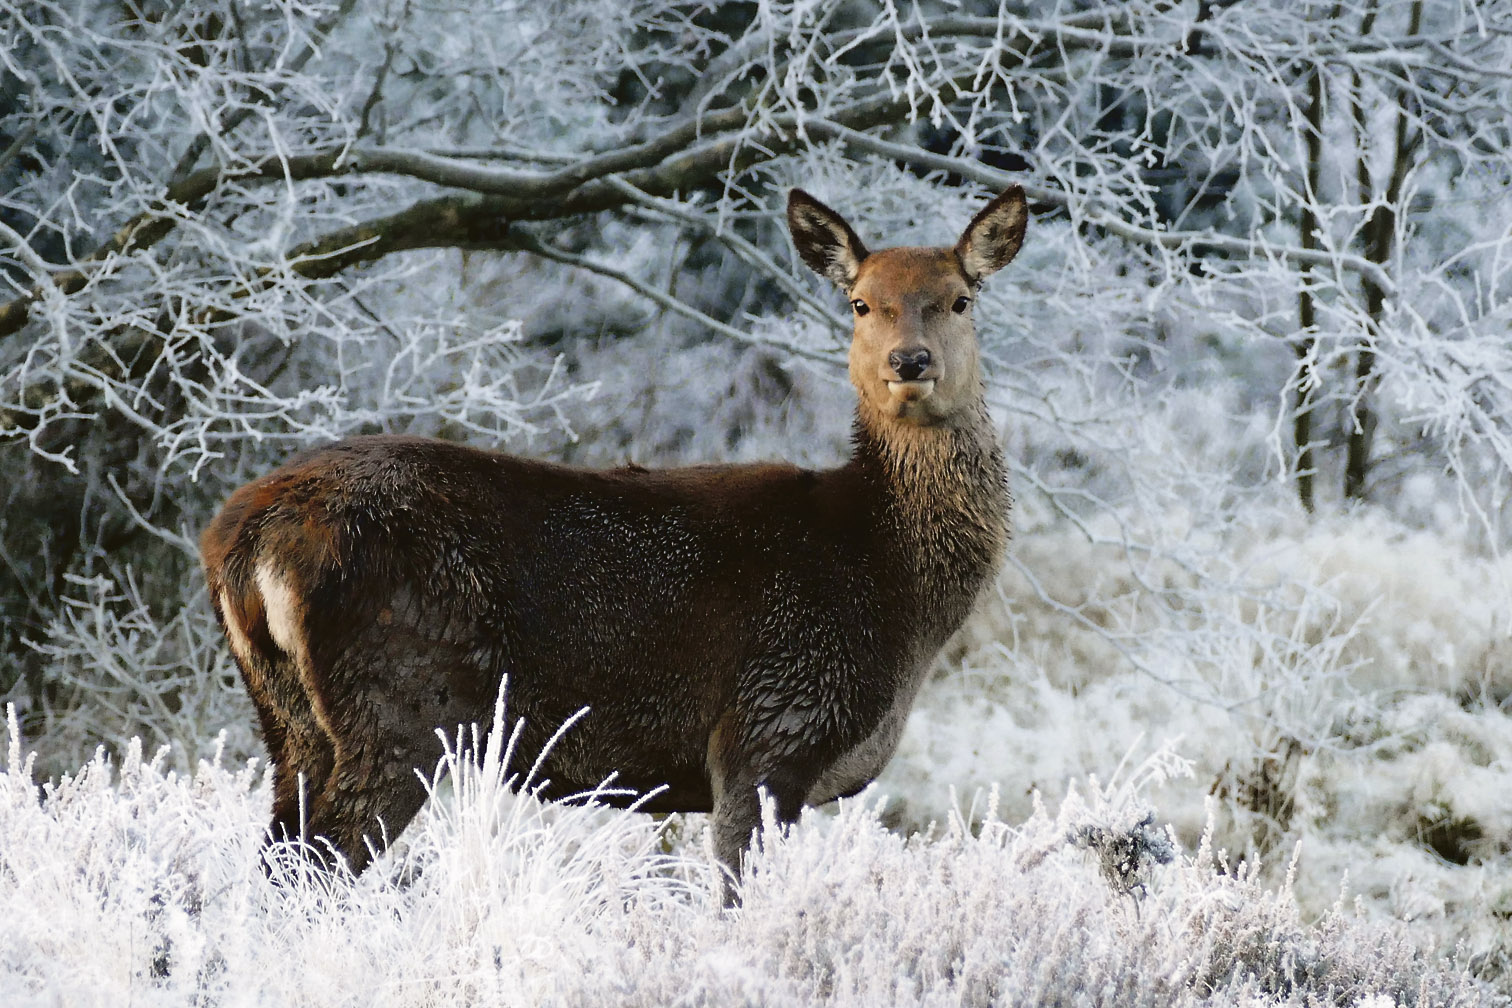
[662, 164]
[482, 221]
[659, 167]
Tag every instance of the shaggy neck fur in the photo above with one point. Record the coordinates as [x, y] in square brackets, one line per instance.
[946, 500]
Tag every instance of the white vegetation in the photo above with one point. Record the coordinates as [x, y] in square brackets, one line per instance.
[134, 882]
[1271, 263]
[1342, 731]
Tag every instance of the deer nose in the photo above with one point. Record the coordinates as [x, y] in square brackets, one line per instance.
[909, 364]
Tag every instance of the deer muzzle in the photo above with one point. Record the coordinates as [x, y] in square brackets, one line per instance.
[910, 365]
[915, 374]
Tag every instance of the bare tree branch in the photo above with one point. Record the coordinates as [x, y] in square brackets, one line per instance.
[526, 242]
[1101, 219]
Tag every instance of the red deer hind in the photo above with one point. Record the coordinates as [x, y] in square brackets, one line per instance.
[729, 627]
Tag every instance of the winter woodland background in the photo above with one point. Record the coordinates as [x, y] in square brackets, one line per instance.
[1252, 369]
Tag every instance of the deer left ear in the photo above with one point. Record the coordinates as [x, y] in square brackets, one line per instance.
[824, 241]
[994, 235]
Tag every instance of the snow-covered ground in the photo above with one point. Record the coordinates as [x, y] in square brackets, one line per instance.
[1361, 746]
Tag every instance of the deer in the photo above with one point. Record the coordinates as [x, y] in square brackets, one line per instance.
[732, 630]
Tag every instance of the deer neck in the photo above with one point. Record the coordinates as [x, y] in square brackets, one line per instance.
[944, 501]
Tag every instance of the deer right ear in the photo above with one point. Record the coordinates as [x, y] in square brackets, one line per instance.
[824, 241]
[994, 235]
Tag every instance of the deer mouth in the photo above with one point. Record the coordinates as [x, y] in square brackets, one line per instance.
[911, 391]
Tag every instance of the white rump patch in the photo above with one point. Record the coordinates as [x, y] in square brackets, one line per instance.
[282, 608]
[241, 644]
[284, 612]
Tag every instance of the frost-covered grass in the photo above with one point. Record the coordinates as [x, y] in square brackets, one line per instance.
[132, 883]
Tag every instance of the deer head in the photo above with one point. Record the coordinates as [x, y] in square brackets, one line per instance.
[914, 355]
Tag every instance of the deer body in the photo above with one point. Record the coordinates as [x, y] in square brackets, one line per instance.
[729, 628]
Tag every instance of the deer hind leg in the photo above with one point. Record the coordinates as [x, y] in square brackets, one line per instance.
[269, 639]
[372, 793]
[300, 749]
[410, 674]
[269, 649]
[303, 756]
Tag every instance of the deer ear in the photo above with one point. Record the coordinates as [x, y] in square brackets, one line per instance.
[994, 235]
[824, 241]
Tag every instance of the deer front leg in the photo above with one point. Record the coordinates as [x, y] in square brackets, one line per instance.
[740, 774]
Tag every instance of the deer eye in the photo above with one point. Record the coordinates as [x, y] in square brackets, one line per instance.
[860, 306]
[961, 304]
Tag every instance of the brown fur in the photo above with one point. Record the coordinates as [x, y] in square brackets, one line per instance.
[729, 627]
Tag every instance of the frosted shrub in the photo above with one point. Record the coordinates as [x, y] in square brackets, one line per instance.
[1128, 853]
[122, 671]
